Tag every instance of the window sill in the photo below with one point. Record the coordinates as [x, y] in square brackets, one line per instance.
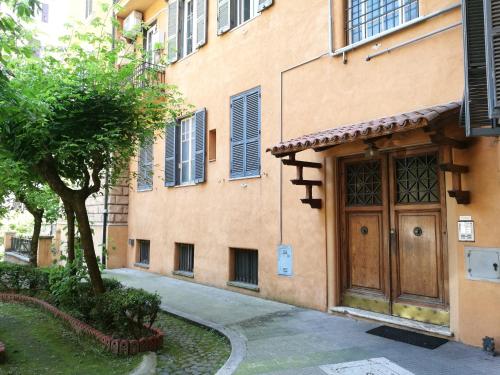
[244, 178]
[188, 56]
[141, 265]
[383, 34]
[237, 284]
[184, 274]
[241, 25]
[185, 185]
[144, 190]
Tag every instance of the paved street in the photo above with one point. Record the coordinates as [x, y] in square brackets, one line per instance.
[275, 338]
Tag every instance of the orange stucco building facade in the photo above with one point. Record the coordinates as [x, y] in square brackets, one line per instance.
[312, 75]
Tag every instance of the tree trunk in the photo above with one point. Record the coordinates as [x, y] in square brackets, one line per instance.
[70, 219]
[38, 216]
[88, 245]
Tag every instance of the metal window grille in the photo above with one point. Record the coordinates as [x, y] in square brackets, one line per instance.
[186, 257]
[366, 18]
[21, 245]
[144, 246]
[246, 266]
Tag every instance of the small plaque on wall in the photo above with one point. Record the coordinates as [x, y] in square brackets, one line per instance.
[466, 229]
[285, 260]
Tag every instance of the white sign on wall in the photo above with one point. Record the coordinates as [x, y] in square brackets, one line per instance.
[466, 229]
[285, 260]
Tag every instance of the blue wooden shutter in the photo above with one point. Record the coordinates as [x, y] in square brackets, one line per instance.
[225, 18]
[201, 22]
[477, 120]
[45, 12]
[171, 154]
[145, 168]
[173, 31]
[245, 134]
[199, 157]
[252, 134]
[237, 136]
[492, 33]
[264, 4]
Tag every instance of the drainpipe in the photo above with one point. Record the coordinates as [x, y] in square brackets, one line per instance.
[330, 27]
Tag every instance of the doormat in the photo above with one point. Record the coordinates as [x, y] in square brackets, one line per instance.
[408, 337]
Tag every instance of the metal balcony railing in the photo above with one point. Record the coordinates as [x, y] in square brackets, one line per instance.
[148, 74]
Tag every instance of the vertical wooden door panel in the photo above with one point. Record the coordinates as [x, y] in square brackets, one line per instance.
[365, 250]
[418, 254]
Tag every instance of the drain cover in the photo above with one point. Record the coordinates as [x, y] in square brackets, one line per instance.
[373, 366]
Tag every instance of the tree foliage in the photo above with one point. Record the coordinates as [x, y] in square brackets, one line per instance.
[77, 112]
[14, 38]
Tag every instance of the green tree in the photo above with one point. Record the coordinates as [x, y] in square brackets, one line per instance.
[39, 199]
[14, 39]
[73, 115]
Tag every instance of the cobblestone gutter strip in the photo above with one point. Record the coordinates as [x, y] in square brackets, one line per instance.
[2, 352]
[238, 342]
[115, 346]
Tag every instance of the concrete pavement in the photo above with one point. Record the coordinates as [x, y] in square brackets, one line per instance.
[274, 338]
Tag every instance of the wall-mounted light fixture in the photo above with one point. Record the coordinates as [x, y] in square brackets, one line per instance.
[371, 151]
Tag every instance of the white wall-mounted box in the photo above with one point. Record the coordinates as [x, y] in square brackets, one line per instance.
[482, 263]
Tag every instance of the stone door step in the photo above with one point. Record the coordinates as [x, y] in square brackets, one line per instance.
[393, 320]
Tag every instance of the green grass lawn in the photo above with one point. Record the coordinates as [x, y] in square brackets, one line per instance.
[38, 344]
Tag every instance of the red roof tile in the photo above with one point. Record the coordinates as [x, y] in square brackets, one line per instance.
[369, 129]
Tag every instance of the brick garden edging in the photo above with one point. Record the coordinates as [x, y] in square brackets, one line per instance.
[2, 352]
[115, 346]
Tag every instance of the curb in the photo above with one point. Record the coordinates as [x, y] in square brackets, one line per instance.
[115, 346]
[237, 341]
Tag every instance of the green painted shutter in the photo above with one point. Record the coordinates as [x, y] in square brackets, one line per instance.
[173, 31]
[200, 142]
[477, 121]
[492, 18]
[171, 154]
[264, 4]
[201, 23]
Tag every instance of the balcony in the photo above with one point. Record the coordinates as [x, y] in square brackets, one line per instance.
[148, 74]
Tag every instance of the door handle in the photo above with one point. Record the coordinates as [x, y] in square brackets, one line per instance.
[392, 240]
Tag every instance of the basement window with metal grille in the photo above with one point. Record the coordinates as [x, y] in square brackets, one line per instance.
[367, 18]
[245, 268]
[144, 250]
[185, 259]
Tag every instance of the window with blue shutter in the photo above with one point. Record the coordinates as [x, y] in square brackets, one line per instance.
[145, 167]
[245, 134]
[479, 59]
[185, 150]
[170, 154]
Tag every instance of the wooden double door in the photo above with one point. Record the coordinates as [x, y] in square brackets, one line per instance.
[393, 235]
